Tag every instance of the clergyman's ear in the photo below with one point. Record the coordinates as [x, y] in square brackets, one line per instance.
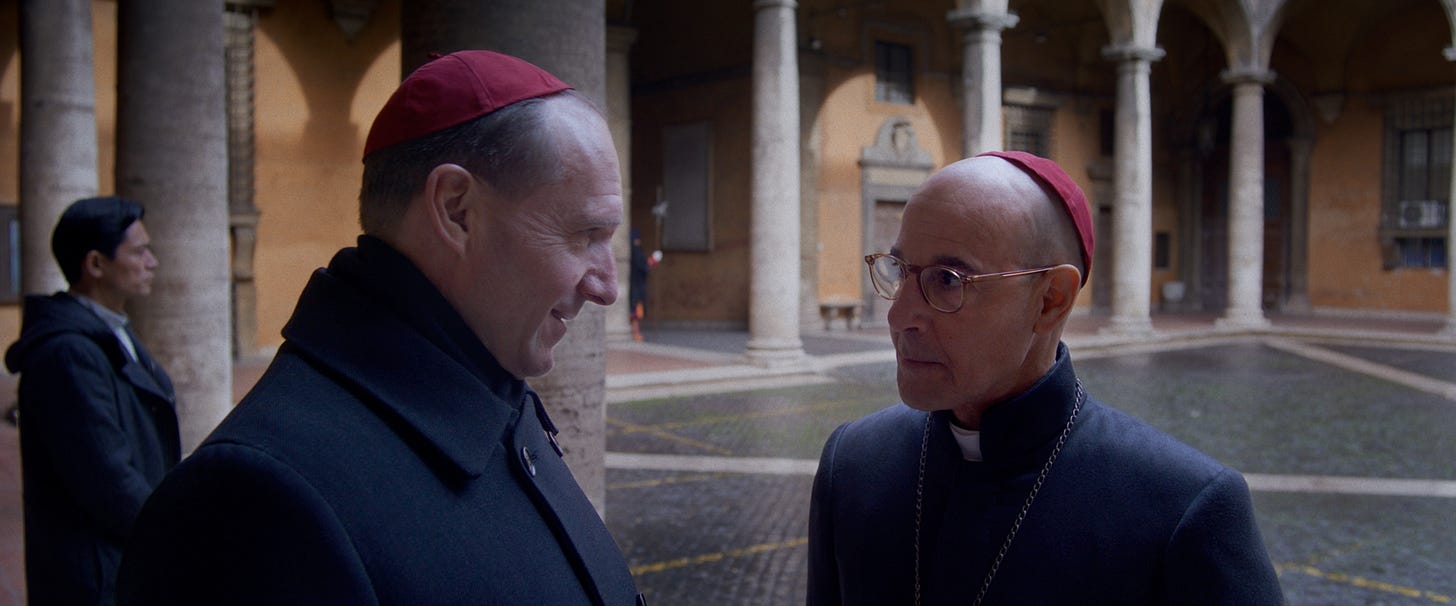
[1063, 283]
[447, 204]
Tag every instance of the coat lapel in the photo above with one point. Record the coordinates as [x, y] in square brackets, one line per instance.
[566, 508]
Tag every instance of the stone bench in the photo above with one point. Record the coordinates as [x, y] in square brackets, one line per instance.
[840, 307]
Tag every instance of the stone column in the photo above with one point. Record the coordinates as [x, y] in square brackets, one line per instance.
[1450, 329]
[568, 39]
[171, 155]
[1298, 300]
[619, 119]
[1246, 201]
[58, 133]
[1132, 209]
[773, 308]
[981, 75]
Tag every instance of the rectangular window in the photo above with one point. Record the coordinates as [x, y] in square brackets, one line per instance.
[1421, 252]
[1029, 129]
[1417, 187]
[1162, 251]
[686, 192]
[894, 73]
[9, 254]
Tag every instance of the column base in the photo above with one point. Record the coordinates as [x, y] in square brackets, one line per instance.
[777, 352]
[1242, 320]
[617, 335]
[1450, 330]
[1129, 326]
[1299, 304]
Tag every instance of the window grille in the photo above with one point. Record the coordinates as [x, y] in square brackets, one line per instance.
[894, 73]
[1416, 190]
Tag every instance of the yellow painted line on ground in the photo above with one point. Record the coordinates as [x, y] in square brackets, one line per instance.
[702, 477]
[708, 558]
[635, 428]
[1362, 582]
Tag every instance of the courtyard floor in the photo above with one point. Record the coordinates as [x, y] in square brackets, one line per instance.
[1345, 431]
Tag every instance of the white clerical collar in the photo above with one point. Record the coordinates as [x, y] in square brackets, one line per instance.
[969, 440]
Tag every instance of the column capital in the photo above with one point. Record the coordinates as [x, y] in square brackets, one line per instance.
[1248, 75]
[973, 19]
[763, 4]
[1131, 52]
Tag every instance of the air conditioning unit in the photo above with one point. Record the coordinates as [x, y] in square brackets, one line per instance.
[1422, 214]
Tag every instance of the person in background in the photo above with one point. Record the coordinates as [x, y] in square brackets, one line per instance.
[393, 453]
[98, 419]
[1000, 480]
[642, 264]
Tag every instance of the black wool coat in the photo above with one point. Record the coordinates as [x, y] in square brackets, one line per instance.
[98, 431]
[383, 458]
[1127, 514]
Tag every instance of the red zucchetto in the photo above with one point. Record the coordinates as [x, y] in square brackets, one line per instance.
[1047, 173]
[455, 89]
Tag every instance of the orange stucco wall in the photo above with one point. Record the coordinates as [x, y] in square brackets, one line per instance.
[316, 96]
[1344, 256]
[690, 286]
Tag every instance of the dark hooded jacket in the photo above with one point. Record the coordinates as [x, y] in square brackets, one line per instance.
[98, 431]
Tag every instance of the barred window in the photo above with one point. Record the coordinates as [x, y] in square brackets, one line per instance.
[894, 73]
[1417, 181]
[1029, 129]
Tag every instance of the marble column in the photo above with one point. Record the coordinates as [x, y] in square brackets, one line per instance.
[619, 120]
[981, 76]
[1132, 210]
[773, 291]
[1246, 201]
[171, 155]
[1450, 329]
[1298, 290]
[58, 134]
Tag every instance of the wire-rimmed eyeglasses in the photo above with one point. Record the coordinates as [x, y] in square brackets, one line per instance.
[943, 288]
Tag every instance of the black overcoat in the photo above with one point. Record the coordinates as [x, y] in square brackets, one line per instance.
[383, 458]
[98, 431]
[1127, 513]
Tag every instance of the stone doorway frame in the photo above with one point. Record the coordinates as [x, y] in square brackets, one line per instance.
[890, 170]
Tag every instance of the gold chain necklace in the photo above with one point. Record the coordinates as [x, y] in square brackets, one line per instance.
[1020, 517]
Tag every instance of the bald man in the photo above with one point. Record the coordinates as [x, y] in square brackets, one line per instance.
[999, 480]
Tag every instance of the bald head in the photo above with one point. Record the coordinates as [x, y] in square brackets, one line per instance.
[993, 191]
[985, 216]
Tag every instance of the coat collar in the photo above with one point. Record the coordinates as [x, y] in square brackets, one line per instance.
[373, 318]
[1020, 430]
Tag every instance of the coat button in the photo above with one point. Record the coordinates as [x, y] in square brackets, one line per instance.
[527, 460]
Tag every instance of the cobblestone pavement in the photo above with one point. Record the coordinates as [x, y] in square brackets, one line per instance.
[1347, 435]
[1348, 447]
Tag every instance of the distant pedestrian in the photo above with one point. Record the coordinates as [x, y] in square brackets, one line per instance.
[642, 265]
[1000, 480]
[98, 424]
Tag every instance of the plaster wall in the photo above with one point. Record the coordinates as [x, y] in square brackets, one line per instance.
[1344, 216]
[690, 287]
